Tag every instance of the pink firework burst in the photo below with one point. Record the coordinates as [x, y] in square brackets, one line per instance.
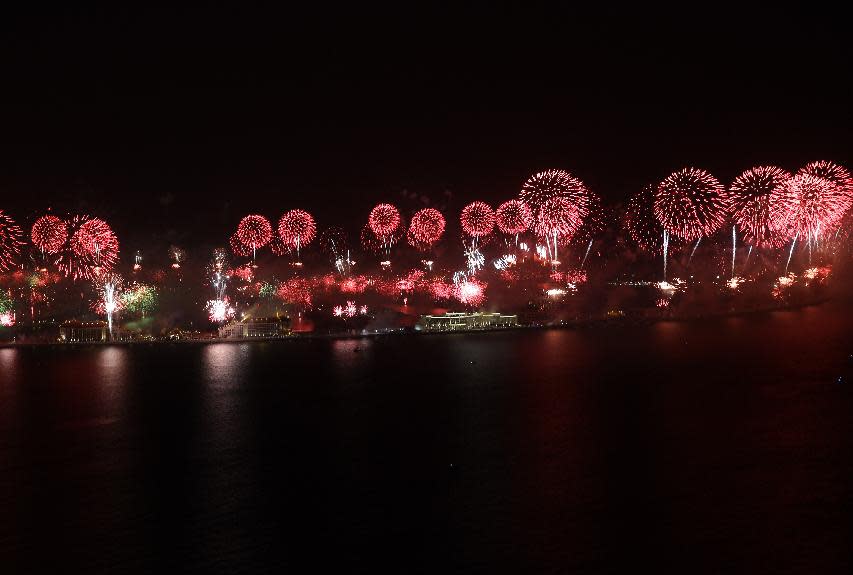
[756, 200]
[10, 241]
[470, 292]
[254, 232]
[691, 204]
[513, 217]
[640, 221]
[426, 228]
[384, 220]
[297, 229]
[543, 186]
[558, 219]
[49, 233]
[477, 219]
[811, 205]
[838, 175]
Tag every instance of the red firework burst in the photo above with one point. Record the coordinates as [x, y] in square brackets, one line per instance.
[477, 219]
[513, 217]
[756, 197]
[691, 204]
[240, 250]
[297, 229]
[95, 246]
[49, 233]
[640, 221]
[296, 291]
[558, 219]
[384, 220]
[254, 232]
[811, 205]
[10, 241]
[543, 186]
[426, 228]
[76, 257]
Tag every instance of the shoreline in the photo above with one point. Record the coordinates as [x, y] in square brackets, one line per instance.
[619, 321]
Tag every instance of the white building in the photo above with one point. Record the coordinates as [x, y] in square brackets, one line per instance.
[461, 321]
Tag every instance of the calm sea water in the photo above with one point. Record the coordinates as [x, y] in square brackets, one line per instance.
[715, 447]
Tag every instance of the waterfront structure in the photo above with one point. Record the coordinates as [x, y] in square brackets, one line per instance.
[74, 331]
[256, 327]
[461, 321]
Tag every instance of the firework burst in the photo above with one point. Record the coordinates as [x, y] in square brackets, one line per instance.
[297, 229]
[426, 228]
[640, 221]
[384, 222]
[92, 248]
[544, 186]
[477, 219]
[812, 205]
[691, 204]
[756, 202]
[10, 241]
[48, 234]
[838, 175]
[558, 219]
[253, 233]
[470, 292]
[220, 310]
[513, 217]
[177, 255]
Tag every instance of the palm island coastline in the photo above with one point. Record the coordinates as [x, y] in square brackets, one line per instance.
[687, 247]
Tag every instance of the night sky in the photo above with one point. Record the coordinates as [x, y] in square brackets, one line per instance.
[173, 125]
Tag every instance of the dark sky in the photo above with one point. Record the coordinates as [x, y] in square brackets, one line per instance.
[181, 122]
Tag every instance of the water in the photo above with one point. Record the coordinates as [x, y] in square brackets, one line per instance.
[716, 447]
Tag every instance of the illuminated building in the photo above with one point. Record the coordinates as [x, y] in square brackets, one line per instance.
[83, 331]
[460, 321]
[256, 327]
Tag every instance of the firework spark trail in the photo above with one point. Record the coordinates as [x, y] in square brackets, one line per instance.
[586, 255]
[734, 248]
[557, 222]
[110, 285]
[791, 253]
[665, 252]
[693, 251]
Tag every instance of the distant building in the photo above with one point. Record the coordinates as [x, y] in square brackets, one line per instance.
[83, 331]
[461, 321]
[256, 327]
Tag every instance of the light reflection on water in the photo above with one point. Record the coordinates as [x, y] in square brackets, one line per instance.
[224, 364]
